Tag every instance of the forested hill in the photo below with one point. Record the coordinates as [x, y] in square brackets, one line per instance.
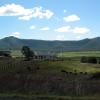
[11, 42]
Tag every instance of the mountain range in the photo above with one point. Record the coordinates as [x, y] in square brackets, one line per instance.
[14, 43]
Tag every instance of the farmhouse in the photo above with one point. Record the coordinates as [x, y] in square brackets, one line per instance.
[44, 56]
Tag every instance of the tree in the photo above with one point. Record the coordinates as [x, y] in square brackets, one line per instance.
[84, 59]
[92, 60]
[27, 52]
[99, 60]
[89, 60]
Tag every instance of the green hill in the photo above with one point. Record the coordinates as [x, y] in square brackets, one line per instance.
[16, 43]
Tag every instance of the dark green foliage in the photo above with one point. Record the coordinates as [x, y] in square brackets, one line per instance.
[84, 59]
[27, 52]
[89, 60]
[92, 60]
[99, 60]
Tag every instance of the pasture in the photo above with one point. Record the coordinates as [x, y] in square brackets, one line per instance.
[46, 79]
[80, 54]
[69, 65]
[17, 53]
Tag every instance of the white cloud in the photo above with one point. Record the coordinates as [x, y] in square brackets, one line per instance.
[23, 13]
[77, 30]
[63, 29]
[71, 18]
[14, 10]
[45, 29]
[78, 37]
[15, 34]
[60, 37]
[39, 12]
[26, 17]
[32, 27]
[80, 30]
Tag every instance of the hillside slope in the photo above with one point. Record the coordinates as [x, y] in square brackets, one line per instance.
[16, 43]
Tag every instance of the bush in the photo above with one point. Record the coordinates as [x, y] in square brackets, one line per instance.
[92, 60]
[89, 60]
[84, 59]
[99, 60]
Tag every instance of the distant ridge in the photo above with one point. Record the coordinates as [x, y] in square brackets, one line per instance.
[11, 42]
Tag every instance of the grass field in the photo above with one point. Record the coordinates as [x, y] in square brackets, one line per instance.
[70, 65]
[17, 68]
[17, 53]
[80, 54]
[50, 66]
[50, 72]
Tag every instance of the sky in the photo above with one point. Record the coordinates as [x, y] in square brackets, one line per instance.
[50, 19]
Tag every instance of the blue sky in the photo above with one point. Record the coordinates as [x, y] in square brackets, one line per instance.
[50, 19]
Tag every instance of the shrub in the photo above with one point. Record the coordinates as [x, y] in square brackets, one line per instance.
[84, 59]
[92, 60]
[89, 60]
[99, 60]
